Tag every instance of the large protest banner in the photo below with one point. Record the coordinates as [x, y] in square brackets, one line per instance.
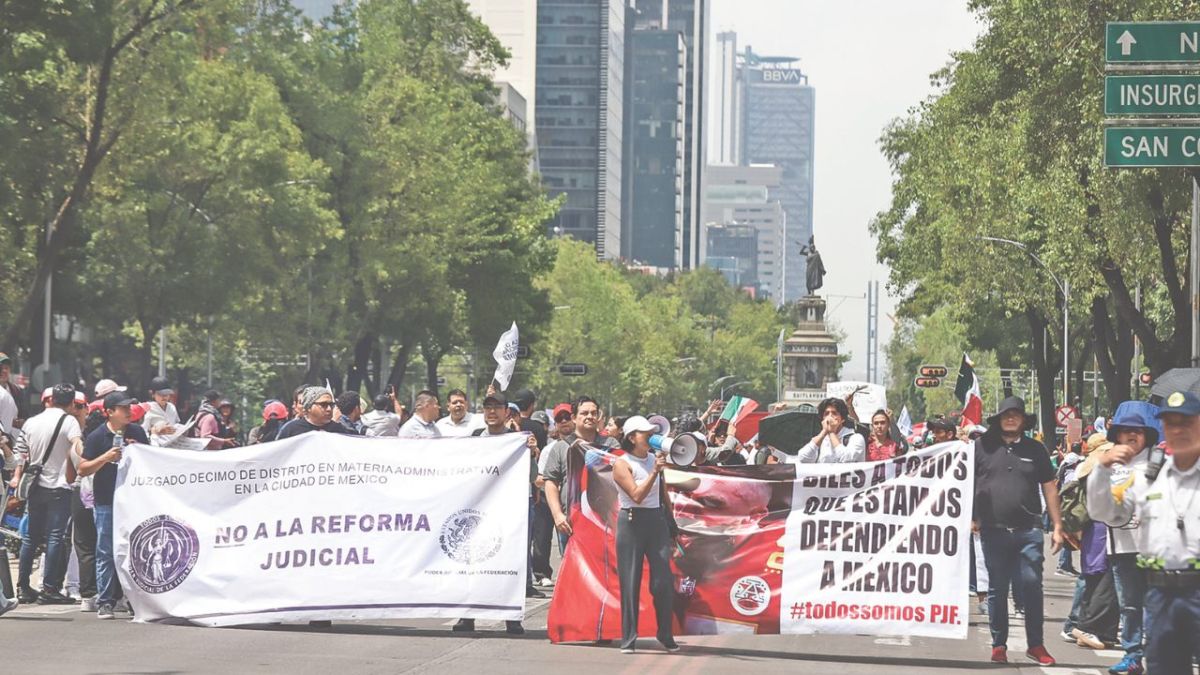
[325, 526]
[871, 548]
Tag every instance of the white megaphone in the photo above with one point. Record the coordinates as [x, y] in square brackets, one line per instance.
[681, 450]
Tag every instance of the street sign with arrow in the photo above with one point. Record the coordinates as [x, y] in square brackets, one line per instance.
[1152, 42]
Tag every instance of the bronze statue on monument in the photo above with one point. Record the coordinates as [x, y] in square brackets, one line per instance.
[815, 272]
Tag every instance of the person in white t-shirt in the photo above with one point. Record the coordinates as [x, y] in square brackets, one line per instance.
[162, 417]
[8, 409]
[461, 422]
[49, 505]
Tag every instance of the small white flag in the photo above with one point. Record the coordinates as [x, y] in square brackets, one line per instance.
[904, 424]
[506, 356]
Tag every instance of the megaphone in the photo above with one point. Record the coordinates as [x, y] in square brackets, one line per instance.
[681, 450]
[663, 424]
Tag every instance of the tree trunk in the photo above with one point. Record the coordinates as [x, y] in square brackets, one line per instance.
[359, 371]
[1114, 352]
[432, 358]
[399, 365]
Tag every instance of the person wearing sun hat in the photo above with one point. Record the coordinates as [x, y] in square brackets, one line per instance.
[1158, 494]
[1012, 475]
[1132, 426]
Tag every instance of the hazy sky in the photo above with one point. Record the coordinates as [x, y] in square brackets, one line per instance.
[870, 61]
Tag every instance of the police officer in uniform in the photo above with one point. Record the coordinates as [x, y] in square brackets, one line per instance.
[1164, 501]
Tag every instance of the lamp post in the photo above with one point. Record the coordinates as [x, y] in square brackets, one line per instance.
[731, 387]
[1064, 287]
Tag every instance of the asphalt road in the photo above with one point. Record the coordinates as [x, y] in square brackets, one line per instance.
[64, 640]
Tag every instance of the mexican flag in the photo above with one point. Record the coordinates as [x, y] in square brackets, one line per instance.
[737, 408]
[966, 389]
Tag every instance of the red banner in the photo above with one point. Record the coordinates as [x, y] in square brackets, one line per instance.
[728, 559]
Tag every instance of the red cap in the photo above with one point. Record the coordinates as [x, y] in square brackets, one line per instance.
[275, 410]
[137, 411]
[560, 408]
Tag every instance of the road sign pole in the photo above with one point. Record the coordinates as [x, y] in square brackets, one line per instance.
[1066, 341]
[1195, 272]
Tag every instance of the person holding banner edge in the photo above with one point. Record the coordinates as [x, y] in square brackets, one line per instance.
[1010, 469]
[643, 533]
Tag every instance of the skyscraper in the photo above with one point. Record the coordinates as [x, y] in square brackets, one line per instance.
[688, 19]
[579, 116]
[773, 123]
[654, 164]
[777, 128]
[728, 122]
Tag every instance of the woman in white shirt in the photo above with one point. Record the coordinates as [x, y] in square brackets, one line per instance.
[642, 533]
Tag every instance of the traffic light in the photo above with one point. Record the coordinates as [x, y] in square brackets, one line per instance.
[1145, 378]
[933, 371]
[928, 382]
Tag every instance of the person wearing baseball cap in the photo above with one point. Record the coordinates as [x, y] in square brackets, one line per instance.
[1164, 499]
[161, 416]
[1012, 475]
[102, 451]
[643, 533]
[105, 387]
[53, 436]
[495, 417]
[274, 414]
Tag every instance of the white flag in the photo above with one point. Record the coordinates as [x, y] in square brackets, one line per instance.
[506, 356]
[904, 424]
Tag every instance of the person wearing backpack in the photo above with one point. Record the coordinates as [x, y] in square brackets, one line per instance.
[46, 480]
[1134, 426]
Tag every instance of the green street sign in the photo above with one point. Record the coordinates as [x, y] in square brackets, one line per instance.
[1151, 146]
[1152, 42]
[1152, 95]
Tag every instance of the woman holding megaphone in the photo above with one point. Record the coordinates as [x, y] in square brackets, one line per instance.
[642, 532]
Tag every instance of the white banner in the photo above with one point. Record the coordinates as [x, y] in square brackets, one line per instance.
[870, 397]
[325, 526]
[880, 548]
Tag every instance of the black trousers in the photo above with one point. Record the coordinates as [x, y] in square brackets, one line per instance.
[642, 534]
[83, 536]
[543, 533]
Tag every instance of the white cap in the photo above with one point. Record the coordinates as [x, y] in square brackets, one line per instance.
[106, 387]
[47, 393]
[637, 423]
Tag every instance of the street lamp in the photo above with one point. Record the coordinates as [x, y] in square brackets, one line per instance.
[1064, 287]
[731, 387]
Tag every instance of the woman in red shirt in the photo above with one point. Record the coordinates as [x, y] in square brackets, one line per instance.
[880, 445]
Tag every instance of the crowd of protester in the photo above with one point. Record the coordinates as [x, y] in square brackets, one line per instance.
[73, 444]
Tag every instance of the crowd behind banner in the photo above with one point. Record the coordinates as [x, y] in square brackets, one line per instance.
[66, 453]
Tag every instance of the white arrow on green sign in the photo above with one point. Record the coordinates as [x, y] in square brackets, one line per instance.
[1152, 95]
[1151, 146]
[1152, 42]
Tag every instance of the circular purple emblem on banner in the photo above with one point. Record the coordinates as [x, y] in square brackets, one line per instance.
[162, 553]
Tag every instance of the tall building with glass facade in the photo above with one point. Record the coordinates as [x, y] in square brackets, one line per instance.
[688, 20]
[654, 164]
[777, 127]
[579, 116]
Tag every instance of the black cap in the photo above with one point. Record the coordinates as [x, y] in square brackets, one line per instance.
[524, 398]
[118, 398]
[496, 399]
[161, 386]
